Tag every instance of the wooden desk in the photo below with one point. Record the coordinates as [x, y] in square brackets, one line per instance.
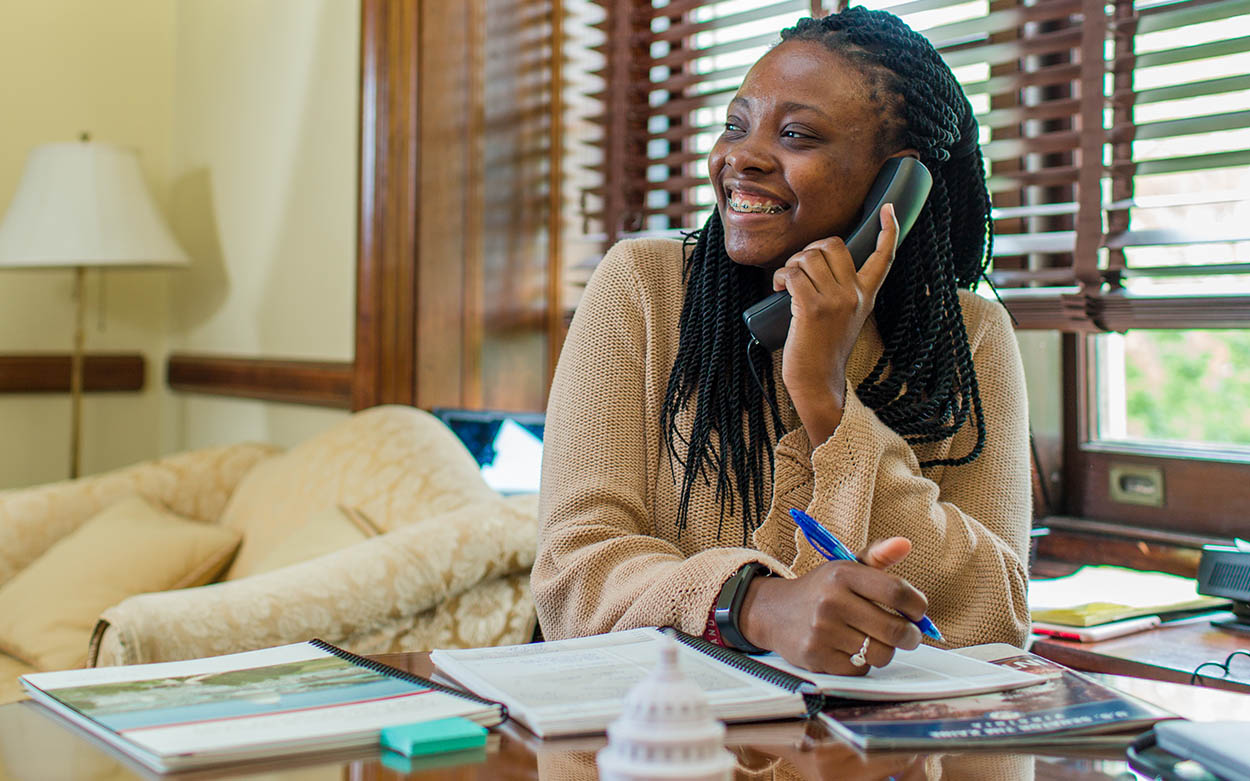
[1165, 653]
[38, 746]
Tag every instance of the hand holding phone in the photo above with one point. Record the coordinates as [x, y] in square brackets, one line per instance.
[834, 284]
[903, 182]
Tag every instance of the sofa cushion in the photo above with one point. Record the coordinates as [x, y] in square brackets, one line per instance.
[397, 464]
[48, 610]
[195, 485]
[324, 532]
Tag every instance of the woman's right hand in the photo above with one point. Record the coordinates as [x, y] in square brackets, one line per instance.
[819, 620]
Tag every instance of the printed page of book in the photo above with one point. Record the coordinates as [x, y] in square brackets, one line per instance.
[579, 685]
[924, 673]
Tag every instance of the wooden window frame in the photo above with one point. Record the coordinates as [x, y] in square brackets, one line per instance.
[1201, 489]
[1201, 493]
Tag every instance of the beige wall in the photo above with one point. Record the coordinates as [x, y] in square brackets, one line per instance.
[69, 66]
[244, 116]
[264, 195]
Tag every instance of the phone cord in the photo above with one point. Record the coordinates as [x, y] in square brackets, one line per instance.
[751, 365]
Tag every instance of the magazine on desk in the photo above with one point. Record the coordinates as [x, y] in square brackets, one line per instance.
[258, 704]
[1066, 707]
[577, 686]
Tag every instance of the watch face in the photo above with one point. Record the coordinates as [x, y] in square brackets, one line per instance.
[735, 584]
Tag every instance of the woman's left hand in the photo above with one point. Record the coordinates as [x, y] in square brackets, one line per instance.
[829, 302]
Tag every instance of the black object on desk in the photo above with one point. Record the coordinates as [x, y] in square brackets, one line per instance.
[1224, 571]
[1196, 675]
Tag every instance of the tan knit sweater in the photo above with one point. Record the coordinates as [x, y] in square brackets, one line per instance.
[609, 556]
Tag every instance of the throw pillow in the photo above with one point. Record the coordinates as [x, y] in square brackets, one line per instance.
[48, 610]
[323, 532]
[399, 463]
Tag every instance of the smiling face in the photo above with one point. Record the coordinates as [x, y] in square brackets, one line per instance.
[802, 144]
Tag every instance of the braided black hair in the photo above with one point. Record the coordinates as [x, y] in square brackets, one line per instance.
[924, 386]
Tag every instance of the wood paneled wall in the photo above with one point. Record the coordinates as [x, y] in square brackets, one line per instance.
[457, 269]
[41, 373]
[319, 383]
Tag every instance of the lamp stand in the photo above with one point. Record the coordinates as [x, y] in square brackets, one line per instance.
[76, 372]
[102, 215]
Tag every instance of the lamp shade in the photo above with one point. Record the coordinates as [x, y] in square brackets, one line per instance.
[85, 204]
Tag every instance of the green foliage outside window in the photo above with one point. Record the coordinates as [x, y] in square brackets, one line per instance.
[1191, 386]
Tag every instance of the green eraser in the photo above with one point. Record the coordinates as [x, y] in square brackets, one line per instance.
[433, 737]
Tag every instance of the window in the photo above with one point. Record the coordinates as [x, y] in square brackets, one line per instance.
[460, 224]
[1160, 441]
[1173, 389]
[1179, 195]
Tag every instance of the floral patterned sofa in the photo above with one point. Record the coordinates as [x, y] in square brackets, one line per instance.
[444, 561]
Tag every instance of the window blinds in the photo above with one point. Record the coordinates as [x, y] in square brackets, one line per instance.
[1116, 136]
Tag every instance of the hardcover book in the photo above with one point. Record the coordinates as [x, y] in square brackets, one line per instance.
[1066, 707]
[259, 704]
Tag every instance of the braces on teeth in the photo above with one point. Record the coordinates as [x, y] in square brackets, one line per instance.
[771, 208]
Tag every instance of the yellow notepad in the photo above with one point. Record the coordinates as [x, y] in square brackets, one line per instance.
[1120, 593]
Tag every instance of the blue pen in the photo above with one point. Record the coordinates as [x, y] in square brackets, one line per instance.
[832, 548]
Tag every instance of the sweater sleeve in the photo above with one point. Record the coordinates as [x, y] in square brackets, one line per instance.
[969, 525]
[600, 564]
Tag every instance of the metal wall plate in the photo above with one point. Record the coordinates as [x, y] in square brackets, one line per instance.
[1136, 484]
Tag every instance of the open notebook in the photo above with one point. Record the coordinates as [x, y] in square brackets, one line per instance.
[577, 686]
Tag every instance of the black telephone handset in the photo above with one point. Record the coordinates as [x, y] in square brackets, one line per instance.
[904, 182]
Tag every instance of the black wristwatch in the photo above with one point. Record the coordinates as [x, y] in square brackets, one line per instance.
[729, 607]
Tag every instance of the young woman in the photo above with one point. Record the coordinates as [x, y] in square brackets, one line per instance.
[894, 415]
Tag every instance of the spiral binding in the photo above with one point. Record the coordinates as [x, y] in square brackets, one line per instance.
[740, 661]
[403, 675]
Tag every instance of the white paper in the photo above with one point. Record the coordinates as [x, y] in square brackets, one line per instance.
[282, 654]
[919, 674]
[550, 686]
[313, 725]
[1116, 585]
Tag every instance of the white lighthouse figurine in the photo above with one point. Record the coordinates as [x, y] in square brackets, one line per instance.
[666, 731]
